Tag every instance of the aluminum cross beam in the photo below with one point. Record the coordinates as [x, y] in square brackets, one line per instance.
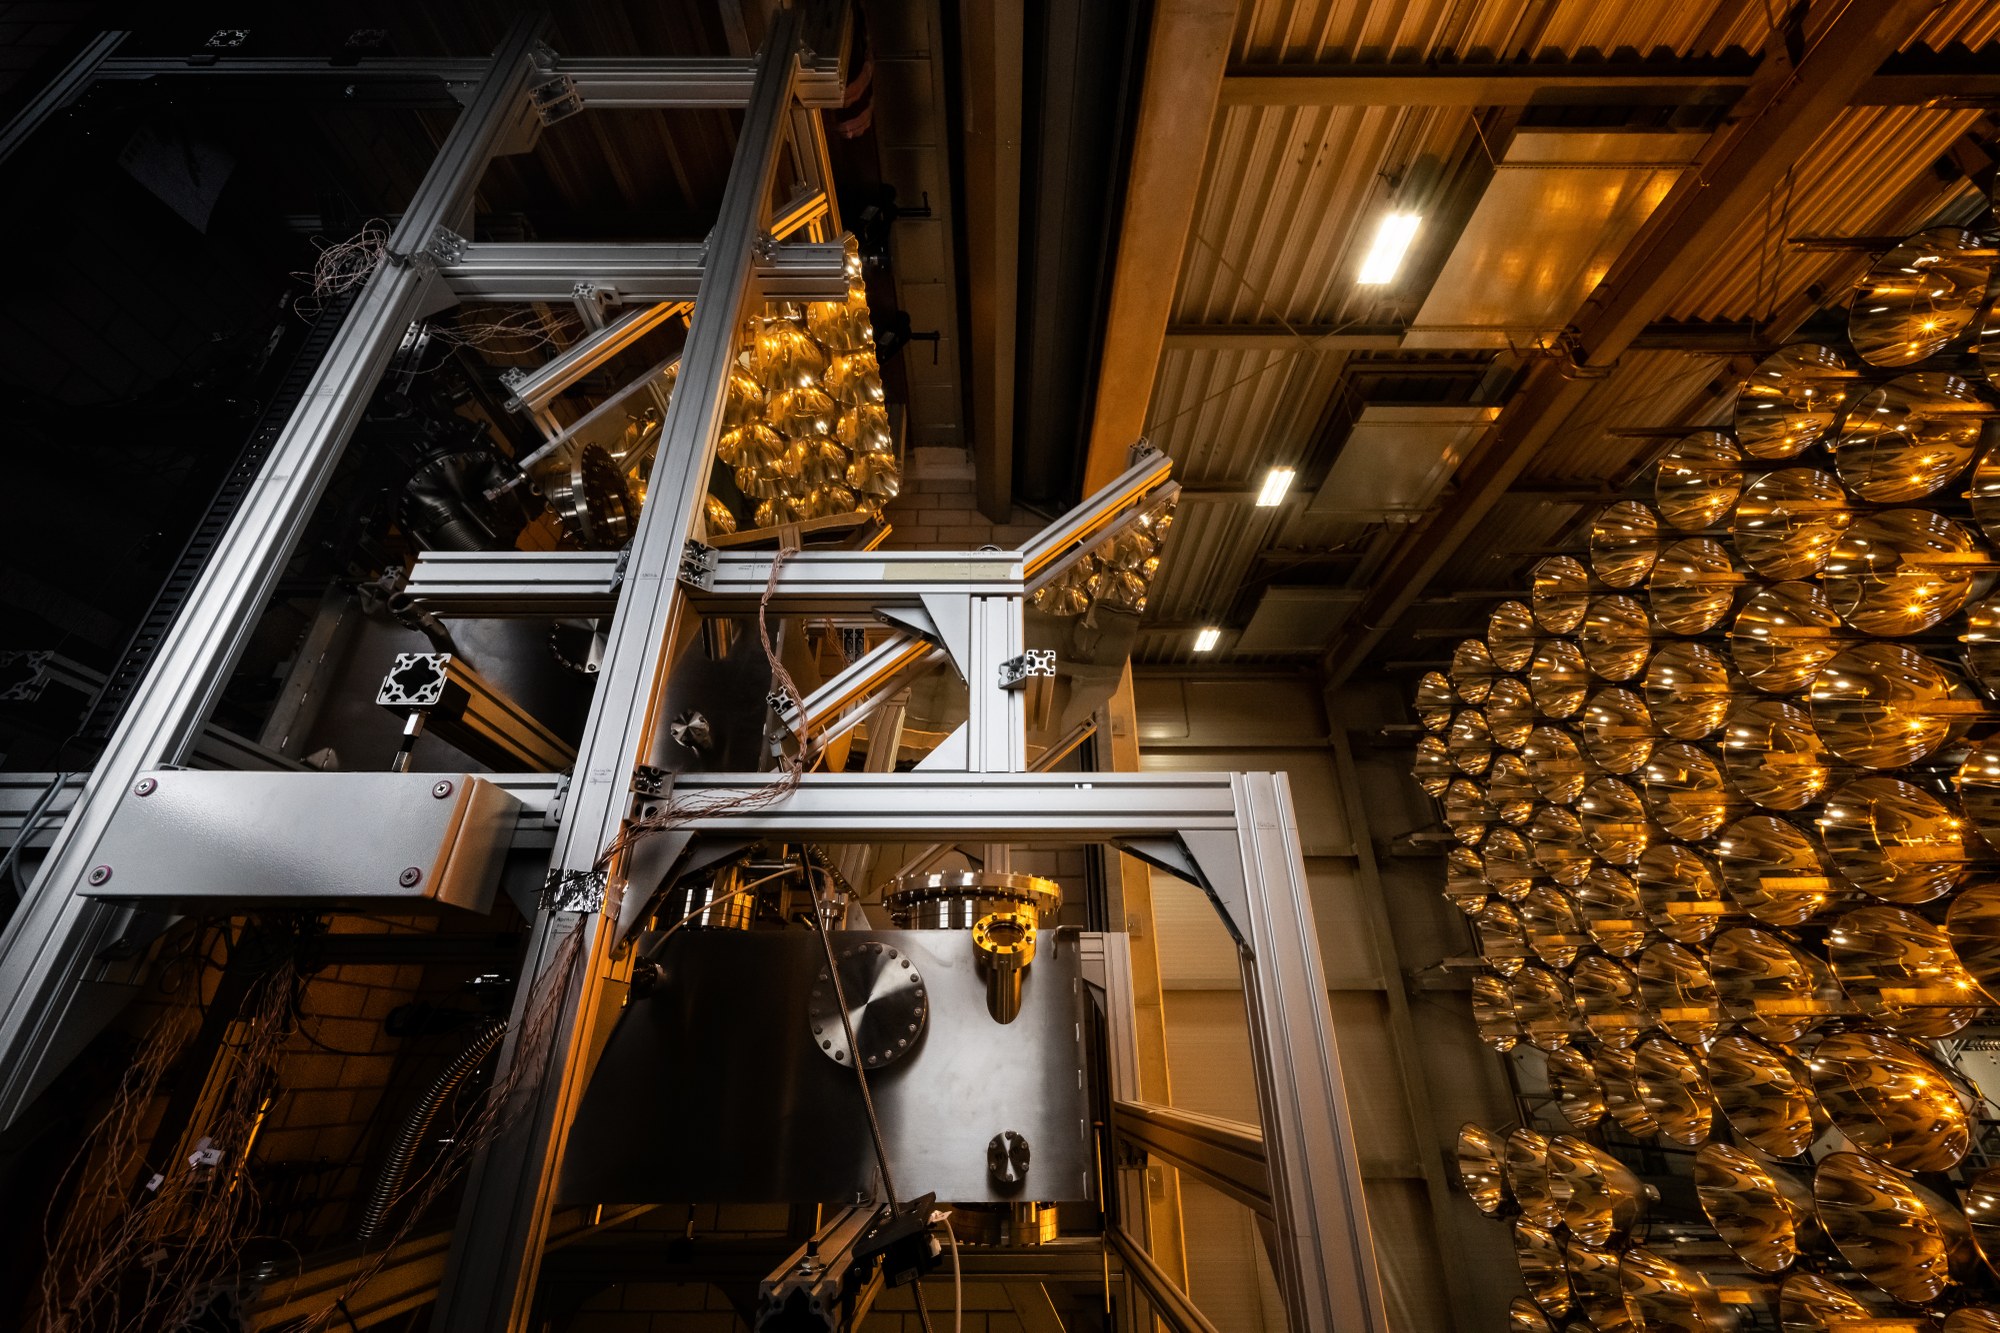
[48, 952]
[635, 271]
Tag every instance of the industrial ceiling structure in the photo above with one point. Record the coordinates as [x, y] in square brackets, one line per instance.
[833, 664]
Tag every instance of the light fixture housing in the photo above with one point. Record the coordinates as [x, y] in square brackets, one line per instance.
[1393, 235]
[1205, 640]
[1276, 482]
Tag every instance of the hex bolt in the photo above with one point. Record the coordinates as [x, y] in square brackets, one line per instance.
[442, 790]
[409, 879]
[99, 874]
[146, 787]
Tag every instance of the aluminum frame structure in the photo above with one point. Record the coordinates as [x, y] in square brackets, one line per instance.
[1233, 834]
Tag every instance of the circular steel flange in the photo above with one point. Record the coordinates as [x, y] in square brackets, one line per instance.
[886, 1004]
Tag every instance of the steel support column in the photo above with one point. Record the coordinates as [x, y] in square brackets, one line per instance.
[504, 1217]
[48, 953]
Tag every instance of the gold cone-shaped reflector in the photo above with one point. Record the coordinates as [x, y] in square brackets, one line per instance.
[1783, 635]
[1763, 1213]
[1595, 1287]
[1972, 1319]
[1555, 765]
[1524, 1316]
[1542, 1007]
[1773, 755]
[1472, 671]
[1502, 941]
[1982, 1211]
[1574, 1087]
[1905, 439]
[1774, 869]
[1469, 742]
[1510, 863]
[1602, 1198]
[1698, 481]
[1540, 1256]
[1524, 1157]
[1765, 1092]
[1901, 572]
[1810, 1303]
[1895, 1102]
[1466, 813]
[1675, 983]
[1622, 1101]
[1791, 401]
[1674, 1089]
[1681, 889]
[1772, 987]
[1973, 927]
[1614, 821]
[1555, 928]
[1899, 970]
[1982, 640]
[1512, 636]
[1667, 1298]
[1891, 1230]
[1560, 849]
[1617, 730]
[1978, 784]
[1692, 587]
[1613, 912]
[1689, 690]
[1510, 713]
[1686, 793]
[1985, 492]
[1558, 678]
[1894, 840]
[1481, 1168]
[1493, 1012]
[1787, 522]
[1607, 996]
[1880, 705]
[1616, 638]
[1918, 297]
[1465, 880]
[1508, 789]
[1560, 594]
[1624, 542]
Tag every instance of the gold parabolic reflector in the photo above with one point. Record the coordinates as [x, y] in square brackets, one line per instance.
[1524, 1157]
[1602, 1198]
[1902, 571]
[1764, 1092]
[1895, 1103]
[1918, 297]
[1613, 912]
[1559, 678]
[1465, 880]
[1689, 690]
[1466, 813]
[1503, 943]
[1882, 705]
[1686, 792]
[1775, 989]
[1674, 1089]
[1524, 1316]
[1773, 755]
[1760, 1212]
[1783, 635]
[1698, 481]
[1542, 1006]
[1905, 439]
[1574, 1087]
[1791, 401]
[1692, 586]
[1470, 743]
[1510, 713]
[1555, 928]
[1617, 730]
[1472, 670]
[1978, 783]
[1512, 635]
[1664, 1296]
[1624, 543]
[1787, 522]
[1774, 869]
[1559, 592]
[1508, 789]
[1615, 638]
[1900, 971]
[1982, 1212]
[1595, 1286]
[1682, 892]
[1560, 849]
[1891, 1230]
[1493, 1012]
[1481, 1168]
[1555, 764]
[1678, 988]
[1607, 996]
[1510, 863]
[1539, 1255]
[1972, 924]
[1623, 1101]
[1614, 820]
[1894, 840]
[1432, 766]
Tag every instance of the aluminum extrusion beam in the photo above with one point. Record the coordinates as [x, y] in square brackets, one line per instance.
[499, 585]
[47, 953]
[533, 392]
[504, 1214]
[1786, 110]
[829, 582]
[1087, 520]
[638, 271]
[76, 76]
[1225, 1153]
[1167, 1299]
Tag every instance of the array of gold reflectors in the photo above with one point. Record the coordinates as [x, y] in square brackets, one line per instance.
[1723, 796]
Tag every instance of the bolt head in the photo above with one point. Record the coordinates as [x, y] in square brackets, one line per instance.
[410, 877]
[146, 787]
[442, 790]
[99, 874]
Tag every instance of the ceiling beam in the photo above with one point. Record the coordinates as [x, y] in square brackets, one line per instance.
[1186, 53]
[1786, 109]
[1666, 335]
[1917, 78]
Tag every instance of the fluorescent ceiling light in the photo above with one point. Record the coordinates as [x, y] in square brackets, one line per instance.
[1392, 241]
[1276, 483]
[1206, 640]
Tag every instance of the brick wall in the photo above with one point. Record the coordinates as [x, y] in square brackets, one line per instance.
[938, 509]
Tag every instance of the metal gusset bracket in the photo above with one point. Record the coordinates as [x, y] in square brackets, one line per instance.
[513, 377]
[552, 818]
[782, 704]
[557, 99]
[697, 564]
[618, 568]
[650, 781]
[1140, 450]
[444, 248]
[1014, 672]
[575, 890]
